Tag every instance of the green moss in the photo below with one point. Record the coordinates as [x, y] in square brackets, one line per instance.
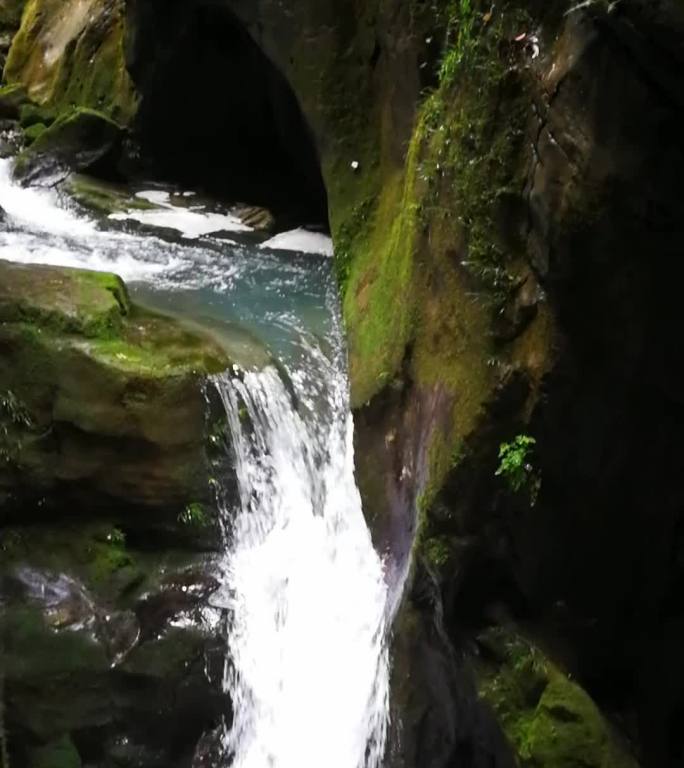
[104, 197]
[96, 553]
[379, 300]
[168, 656]
[86, 66]
[46, 303]
[30, 114]
[12, 98]
[33, 651]
[34, 132]
[78, 129]
[57, 754]
[549, 720]
[91, 304]
[437, 551]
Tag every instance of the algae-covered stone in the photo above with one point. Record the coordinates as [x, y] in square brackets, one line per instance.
[71, 53]
[549, 719]
[76, 140]
[104, 197]
[106, 398]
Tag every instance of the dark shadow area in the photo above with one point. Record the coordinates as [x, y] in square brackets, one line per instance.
[216, 114]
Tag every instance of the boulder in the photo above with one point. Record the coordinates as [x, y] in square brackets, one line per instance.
[91, 673]
[102, 197]
[260, 219]
[549, 719]
[86, 61]
[101, 401]
[77, 140]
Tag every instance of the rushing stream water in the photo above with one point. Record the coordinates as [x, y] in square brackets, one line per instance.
[303, 591]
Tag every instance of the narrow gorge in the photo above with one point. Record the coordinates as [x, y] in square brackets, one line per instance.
[339, 414]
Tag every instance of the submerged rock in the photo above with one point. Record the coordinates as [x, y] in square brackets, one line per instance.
[102, 401]
[259, 219]
[104, 197]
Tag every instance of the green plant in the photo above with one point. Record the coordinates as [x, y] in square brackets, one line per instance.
[516, 468]
[117, 537]
[13, 418]
[461, 30]
[194, 516]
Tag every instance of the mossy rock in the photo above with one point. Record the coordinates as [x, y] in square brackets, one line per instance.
[33, 132]
[12, 99]
[104, 197]
[100, 398]
[30, 114]
[76, 140]
[86, 63]
[549, 719]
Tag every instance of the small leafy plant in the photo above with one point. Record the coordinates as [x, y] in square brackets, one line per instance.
[194, 516]
[516, 468]
[13, 419]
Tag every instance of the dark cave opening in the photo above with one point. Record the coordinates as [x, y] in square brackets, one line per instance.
[217, 115]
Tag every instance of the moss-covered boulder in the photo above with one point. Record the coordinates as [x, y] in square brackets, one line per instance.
[70, 53]
[75, 141]
[101, 400]
[550, 720]
[103, 645]
[102, 197]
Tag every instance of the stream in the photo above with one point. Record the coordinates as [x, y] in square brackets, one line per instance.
[303, 592]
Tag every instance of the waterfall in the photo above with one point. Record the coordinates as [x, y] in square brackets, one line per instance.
[308, 660]
[303, 589]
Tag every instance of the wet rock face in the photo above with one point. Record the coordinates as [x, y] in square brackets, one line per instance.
[114, 659]
[594, 568]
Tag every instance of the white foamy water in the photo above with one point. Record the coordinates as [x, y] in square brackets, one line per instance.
[305, 588]
[301, 240]
[44, 227]
[188, 222]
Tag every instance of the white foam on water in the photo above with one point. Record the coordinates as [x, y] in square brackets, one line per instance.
[301, 240]
[39, 206]
[155, 196]
[188, 222]
[43, 229]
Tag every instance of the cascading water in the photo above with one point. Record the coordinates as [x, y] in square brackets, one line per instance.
[309, 672]
[302, 588]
